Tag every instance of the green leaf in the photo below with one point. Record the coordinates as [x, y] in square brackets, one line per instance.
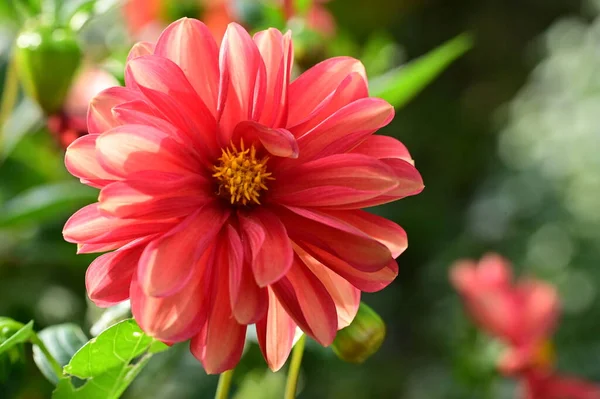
[108, 363]
[62, 341]
[111, 316]
[303, 6]
[27, 117]
[45, 202]
[400, 85]
[20, 336]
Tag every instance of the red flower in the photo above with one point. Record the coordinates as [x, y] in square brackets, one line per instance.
[523, 315]
[232, 196]
[545, 385]
[70, 123]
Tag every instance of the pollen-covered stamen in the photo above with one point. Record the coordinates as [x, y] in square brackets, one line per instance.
[241, 176]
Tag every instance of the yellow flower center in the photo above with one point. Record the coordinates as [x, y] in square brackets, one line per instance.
[241, 176]
[544, 355]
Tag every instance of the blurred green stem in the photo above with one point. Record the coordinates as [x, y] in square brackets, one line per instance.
[292, 379]
[9, 96]
[56, 367]
[224, 385]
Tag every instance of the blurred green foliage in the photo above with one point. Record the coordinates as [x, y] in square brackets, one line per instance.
[507, 144]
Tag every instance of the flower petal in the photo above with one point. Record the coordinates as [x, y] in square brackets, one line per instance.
[272, 256]
[81, 160]
[189, 44]
[277, 54]
[307, 301]
[275, 333]
[89, 225]
[100, 117]
[383, 147]
[381, 229]
[108, 278]
[133, 148]
[140, 49]
[345, 296]
[336, 237]
[278, 142]
[335, 180]
[352, 88]
[240, 65]
[220, 346]
[180, 316]
[343, 130]
[164, 84]
[364, 281]
[316, 84]
[158, 199]
[168, 263]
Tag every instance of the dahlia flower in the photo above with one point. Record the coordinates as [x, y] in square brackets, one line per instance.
[230, 196]
[523, 315]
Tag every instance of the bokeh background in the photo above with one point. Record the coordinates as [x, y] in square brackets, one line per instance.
[507, 140]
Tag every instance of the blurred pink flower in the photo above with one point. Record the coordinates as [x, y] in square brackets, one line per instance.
[145, 22]
[318, 17]
[232, 196]
[545, 385]
[70, 123]
[523, 314]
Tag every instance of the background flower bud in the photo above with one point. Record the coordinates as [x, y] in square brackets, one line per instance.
[47, 58]
[362, 338]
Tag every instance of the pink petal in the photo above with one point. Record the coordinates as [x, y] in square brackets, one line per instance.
[272, 256]
[164, 84]
[277, 54]
[345, 296]
[494, 271]
[409, 181]
[316, 84]
[381, 229]
[168, 263]
[180, 316]
[364, 281]
[357, 177]
[278, 142]
[220, 346]
[275, 334]
[108, 278]
[335, 236]
[539, 305]
[89, 225]
[240, 65]
[100, 117]
[352, 88]
[189, 44]
[307, 301]
[81, 161]
[344, 129]
[148, 199]
[133, 148]
[383, 147]
[140, 49]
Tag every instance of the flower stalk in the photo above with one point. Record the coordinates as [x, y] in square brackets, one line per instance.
[294, 372]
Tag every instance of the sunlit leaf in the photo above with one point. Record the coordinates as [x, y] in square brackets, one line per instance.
[45, 203]
[111, 316]
[400, 85]
[26, 118]
[62, 341]
[303, 6]
[108, 363]
[20, 336]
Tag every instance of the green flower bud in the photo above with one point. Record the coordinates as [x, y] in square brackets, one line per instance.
[362, 338]
[47, 58]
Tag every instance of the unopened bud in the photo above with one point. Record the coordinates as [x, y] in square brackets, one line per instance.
[362, 338]
[47, 58]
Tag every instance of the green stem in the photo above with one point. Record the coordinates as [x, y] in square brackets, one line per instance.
[56, 367]
[224, 385]
[294, 371]
[9, 95]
